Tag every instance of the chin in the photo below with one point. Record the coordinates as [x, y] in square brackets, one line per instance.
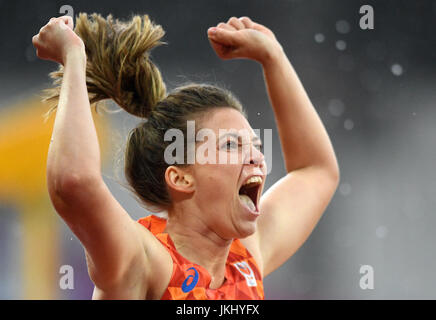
[246, 229]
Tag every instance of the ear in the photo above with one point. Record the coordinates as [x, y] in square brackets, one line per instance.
[179, 179]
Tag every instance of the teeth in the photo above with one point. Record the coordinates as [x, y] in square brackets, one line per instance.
[255, 179]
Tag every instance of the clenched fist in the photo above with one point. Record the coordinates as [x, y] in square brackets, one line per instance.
[243, 38]
[56, 39]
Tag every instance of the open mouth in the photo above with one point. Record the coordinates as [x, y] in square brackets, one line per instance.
[249, 193]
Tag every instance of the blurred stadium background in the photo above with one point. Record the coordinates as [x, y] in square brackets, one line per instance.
[373, 89]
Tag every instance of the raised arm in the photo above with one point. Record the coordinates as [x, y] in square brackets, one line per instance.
[291, 208]
[113, 242]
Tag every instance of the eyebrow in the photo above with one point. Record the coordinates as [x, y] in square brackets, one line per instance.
[236, 136]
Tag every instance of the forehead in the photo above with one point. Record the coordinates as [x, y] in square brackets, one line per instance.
[225, 120]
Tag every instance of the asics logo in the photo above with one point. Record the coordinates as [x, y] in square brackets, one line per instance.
[193, 278]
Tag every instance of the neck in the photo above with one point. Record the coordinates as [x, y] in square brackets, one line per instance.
[195, 241]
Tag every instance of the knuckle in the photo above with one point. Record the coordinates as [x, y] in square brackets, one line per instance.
[53, 22]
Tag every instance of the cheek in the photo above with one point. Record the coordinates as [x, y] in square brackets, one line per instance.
[219, 181]
[229, 176]
[229, 173]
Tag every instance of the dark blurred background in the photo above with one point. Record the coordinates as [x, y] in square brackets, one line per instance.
[373, 89]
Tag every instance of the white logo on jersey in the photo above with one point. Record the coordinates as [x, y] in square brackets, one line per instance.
[246, 271]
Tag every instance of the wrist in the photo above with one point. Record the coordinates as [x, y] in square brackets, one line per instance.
[273, 55]
[74, 53]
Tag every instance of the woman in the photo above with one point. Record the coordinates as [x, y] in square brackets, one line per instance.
[221, 238]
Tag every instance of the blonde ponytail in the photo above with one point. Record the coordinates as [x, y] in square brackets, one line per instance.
[118, 63]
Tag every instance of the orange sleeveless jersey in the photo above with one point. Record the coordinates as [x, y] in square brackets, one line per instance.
[190, 281]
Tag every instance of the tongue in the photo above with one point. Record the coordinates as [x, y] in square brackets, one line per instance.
[247, 202]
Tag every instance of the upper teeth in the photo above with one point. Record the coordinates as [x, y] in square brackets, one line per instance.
[255, 179]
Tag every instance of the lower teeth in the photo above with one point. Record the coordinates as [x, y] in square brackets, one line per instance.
[247, 201]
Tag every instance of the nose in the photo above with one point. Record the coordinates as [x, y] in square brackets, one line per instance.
[254, 156]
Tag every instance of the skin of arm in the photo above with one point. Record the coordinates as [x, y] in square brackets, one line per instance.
[74, 151]
[291, 208]
[114, 243]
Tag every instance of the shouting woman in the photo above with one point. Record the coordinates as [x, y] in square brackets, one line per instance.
[222, 235]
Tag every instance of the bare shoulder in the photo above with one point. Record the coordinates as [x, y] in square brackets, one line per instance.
[148, 276]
